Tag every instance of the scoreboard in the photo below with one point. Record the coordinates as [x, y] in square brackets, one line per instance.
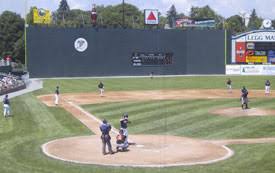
[139, 59]
[255, 47]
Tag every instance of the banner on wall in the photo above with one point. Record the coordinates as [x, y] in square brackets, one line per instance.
[233, 69]
[257, 59]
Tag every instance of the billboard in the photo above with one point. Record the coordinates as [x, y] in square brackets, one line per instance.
[240, 52]
[41, 16]
[189, 22]
[256, 59]
[151, 17]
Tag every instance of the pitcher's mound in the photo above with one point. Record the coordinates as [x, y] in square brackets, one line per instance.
[149, 151]
[238, 112]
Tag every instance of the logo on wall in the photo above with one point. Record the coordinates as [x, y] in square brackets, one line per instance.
[81, 44]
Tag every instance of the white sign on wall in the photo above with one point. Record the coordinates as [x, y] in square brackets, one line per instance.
[151, 17]
[261, 36]
[233, 70]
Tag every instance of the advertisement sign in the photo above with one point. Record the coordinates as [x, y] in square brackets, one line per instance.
[41, 16]
[257, 59]
[271, 56]
[151, 17]
[233, 69]
[240, 52]
[250, 46]
[268, 70]
[251, 69]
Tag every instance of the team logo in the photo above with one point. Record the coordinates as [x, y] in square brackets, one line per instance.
[41, 12]
[81, 44]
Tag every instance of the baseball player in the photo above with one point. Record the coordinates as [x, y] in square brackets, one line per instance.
[105, 129]
[6, 106]
[267, 87]
[244, 98]
[124, 124]
[101, 88]
[56, 96]
[229, 85]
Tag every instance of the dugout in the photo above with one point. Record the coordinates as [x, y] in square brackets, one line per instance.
[80, 52]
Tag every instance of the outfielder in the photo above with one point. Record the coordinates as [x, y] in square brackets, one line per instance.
[267, 87]
[6, 106]
[244, 98]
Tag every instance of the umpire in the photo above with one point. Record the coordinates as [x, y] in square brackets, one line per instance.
[105, 129]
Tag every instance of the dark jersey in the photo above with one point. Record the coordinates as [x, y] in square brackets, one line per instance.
[123, 123]
[6, 101]
[244, 93]
[105, 128]
[228, 82]
[267, 83]
[57, 91]
[100, 85]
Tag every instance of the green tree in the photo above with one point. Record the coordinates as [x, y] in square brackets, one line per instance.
[171, 16]
[19, 50]
[63, 11]
[254, 22]
[235, 24]
[111, 16]
[11, 31]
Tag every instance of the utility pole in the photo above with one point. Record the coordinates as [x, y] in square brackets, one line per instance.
[123, 14]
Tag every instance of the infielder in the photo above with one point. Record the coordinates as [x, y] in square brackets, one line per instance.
[6, 106]
[56, 96]
[267, 87]
[124, 124]
[244, 98]
[101, 88]
[105, 129]
[229, 86]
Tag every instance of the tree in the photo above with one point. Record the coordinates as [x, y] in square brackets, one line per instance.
[255, 22]
[19, 50]
[63, 10]
[111, 16]
[11, 31]
[171, 16]
[235, 24]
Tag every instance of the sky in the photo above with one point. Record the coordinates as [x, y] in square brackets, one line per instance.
[226, 8]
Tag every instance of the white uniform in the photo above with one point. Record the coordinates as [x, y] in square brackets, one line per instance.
[56, 96]
[6, 107]
[267, 87]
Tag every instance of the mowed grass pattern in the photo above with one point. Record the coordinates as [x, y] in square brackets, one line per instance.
[34, 123]
[190, 118]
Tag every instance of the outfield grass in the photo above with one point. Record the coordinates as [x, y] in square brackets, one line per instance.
[34, 124]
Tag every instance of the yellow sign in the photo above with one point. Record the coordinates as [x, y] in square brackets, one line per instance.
[41, 16]
[260, 59]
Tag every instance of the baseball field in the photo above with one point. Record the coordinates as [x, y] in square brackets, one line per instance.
[198, 108]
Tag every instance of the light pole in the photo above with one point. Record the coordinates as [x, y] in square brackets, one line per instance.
[123, 14]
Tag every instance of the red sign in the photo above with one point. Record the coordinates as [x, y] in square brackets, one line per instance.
[240, 52]
[151, 16]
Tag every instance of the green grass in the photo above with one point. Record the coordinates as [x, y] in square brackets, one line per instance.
[188, 118]
[34, 123]
[127, 84]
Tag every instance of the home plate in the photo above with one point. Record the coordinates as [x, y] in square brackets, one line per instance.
[140, 146]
